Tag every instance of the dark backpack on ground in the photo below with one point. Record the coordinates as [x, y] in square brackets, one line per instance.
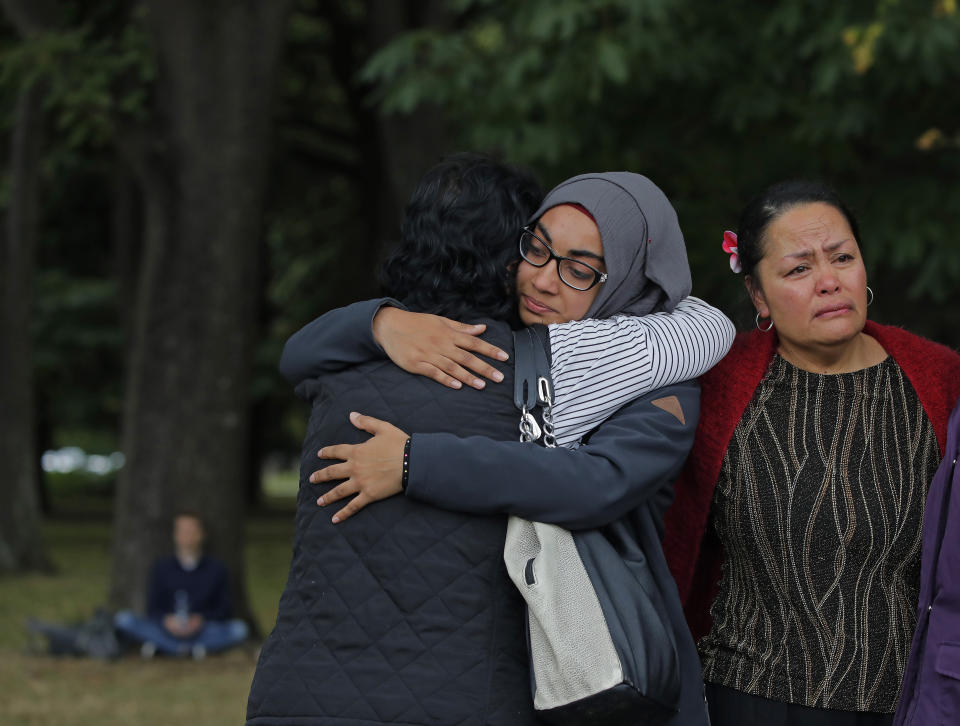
[94, 638]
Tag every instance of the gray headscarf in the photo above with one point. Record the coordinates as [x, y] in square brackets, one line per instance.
[646, 258]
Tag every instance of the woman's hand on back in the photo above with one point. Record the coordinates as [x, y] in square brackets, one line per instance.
[373, 470]
[436, 347]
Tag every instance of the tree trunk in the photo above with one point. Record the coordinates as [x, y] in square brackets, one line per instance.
[410, 143]
[394, 151]
[187, 390]
[126, 231]
[42, 440]
[21, 543]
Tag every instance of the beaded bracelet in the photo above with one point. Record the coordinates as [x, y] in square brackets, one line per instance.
[406, 465]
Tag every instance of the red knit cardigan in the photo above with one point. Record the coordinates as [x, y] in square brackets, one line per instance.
[692, 548]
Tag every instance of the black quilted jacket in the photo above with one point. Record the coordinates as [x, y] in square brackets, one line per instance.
[402, 614]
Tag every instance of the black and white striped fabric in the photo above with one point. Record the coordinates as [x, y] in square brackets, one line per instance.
[599, 365]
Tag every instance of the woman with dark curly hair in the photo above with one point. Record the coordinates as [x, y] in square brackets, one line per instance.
[405, 618]
[447, 262]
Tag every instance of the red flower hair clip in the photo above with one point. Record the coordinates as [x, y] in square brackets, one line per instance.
[730, 247]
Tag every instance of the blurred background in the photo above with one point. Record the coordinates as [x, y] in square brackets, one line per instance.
[186, 183]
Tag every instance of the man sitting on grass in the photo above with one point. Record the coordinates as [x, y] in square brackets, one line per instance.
[188, 600]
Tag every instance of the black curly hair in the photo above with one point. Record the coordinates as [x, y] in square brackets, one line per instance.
[459, 239]
[776, 199]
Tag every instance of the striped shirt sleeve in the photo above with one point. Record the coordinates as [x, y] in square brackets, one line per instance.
[599, 365]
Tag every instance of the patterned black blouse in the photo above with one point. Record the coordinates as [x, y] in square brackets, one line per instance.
[819, 508]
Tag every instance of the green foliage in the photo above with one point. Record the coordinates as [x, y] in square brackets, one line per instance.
[96, 75]
[91, 79]
[714, 101]
[77, 352]
[522, 76]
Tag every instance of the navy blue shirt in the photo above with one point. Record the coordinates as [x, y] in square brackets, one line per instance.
[205, 588]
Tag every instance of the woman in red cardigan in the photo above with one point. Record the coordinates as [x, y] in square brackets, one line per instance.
[796, 529]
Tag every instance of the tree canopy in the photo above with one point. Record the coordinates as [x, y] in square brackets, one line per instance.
[714, 101]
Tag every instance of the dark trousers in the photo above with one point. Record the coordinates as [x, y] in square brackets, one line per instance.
[729, 707]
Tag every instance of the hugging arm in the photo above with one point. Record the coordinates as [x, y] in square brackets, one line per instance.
[427, 345]
[595, 373]
[599, 365]
[624, 462]
[334, 341]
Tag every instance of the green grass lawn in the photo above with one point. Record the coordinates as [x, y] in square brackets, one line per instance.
[39, 690]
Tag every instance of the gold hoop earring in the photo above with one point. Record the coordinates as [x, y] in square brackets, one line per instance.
[870, 301]
[762, 330]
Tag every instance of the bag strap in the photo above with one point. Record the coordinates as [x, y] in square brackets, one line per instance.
[533, 385]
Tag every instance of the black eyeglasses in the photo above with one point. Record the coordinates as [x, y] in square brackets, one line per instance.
[573, 273]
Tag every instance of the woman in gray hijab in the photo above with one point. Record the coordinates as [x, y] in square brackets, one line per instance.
[600, 246]
[643, 246]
